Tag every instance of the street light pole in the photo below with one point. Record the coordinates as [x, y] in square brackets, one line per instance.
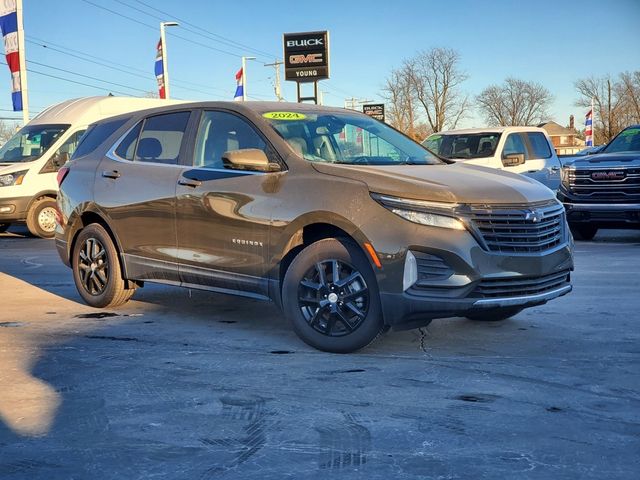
[165, 65]
[244, 77]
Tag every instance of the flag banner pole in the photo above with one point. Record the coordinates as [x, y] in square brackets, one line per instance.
[23, 63]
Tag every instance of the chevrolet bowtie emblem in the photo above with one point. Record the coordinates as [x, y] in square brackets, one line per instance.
[533, 216]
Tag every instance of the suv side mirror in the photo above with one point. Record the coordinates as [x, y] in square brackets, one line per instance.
[250, 159]
[513, 159]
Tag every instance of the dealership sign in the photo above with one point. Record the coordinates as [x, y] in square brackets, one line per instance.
[306, 56]
[375, 110]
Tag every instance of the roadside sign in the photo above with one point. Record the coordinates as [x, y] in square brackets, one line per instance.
[375, 110]
[306, 56]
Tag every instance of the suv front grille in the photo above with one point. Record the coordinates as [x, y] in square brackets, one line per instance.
[517, 287]
[605, 184]
[528, 229]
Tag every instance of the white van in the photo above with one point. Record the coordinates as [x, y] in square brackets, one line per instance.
[30, 160]
[524, 150]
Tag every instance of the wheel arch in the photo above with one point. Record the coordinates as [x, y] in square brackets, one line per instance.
[307, 230]
[40, 195]
[86, 218]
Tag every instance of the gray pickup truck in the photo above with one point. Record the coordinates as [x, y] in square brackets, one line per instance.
[603, 190]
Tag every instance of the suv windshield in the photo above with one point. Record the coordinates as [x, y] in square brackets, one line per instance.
[30, 143]
[467, 145]
[627, 141]
[349, 138]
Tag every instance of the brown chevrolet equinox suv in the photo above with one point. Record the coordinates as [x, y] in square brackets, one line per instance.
[345, 223]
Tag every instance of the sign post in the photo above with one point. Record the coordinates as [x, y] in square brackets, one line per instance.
[306, 60]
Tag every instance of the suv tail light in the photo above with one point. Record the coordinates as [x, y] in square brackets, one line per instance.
[62, 174]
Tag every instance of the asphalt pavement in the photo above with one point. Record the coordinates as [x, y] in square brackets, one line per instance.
[185, 384]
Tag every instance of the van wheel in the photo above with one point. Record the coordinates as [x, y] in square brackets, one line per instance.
[96, 269]
[41, 218]
[4, 227]
[330, 295]
[583, 231]
[495, 314]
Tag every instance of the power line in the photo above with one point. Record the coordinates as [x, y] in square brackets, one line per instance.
[219, 38]
[112, 67]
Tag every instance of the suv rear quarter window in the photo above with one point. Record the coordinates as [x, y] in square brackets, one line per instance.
[95, 135]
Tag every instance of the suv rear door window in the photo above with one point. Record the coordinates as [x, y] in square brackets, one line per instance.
[161, 138]
[539, 145]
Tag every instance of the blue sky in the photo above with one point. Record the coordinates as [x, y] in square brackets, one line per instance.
[551, 42]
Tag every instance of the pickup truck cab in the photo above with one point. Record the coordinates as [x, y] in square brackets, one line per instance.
[30, 160]
[523, 150]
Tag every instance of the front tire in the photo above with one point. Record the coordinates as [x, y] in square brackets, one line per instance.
[583, 231]
[41, 218]
[330, 295]
[96, 269]
[495, 314]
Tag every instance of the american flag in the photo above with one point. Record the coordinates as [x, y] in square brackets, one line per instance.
[239, 95]
[9, 27]
[588, 129]
[159, 69]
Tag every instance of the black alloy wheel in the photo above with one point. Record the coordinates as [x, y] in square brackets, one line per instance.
[330, 295]
[333, 298]
[96, 269]
[93, 266]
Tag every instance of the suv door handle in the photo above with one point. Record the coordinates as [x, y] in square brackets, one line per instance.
[111, 174]
[189, 182]
[555, 168]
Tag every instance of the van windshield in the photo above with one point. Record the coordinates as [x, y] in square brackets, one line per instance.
[30, 143]
[348, 138]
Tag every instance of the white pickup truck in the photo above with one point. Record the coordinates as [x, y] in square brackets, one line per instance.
[524, 150]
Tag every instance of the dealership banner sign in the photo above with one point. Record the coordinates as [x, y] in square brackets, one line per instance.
[375, 110]
[306, 56]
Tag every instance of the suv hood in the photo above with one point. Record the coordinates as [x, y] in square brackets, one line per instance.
[606, 160]
[458, 182]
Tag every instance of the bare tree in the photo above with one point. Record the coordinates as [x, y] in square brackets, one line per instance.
[401, 100]
[607, 105]
[435, 76]
[628, 91]
[515, 102]
[6, 131]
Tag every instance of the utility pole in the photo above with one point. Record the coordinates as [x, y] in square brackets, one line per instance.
[276, 83]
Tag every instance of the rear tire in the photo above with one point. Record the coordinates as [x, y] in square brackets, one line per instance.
[96, 269]
[495, 314]
[583, 231]
[4, 227]
[41, 218]
[330, 295]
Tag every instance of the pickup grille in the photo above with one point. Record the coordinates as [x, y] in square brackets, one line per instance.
[605, 184]
[526, 229]
[517, 287]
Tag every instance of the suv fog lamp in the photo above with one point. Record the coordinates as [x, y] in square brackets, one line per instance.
[410, 275]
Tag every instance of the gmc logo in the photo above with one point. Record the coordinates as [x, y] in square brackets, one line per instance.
[614, 175]
[311, 42]
[304, 59]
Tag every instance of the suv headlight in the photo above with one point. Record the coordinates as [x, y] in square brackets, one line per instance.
[433, 214]
[14, 178]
